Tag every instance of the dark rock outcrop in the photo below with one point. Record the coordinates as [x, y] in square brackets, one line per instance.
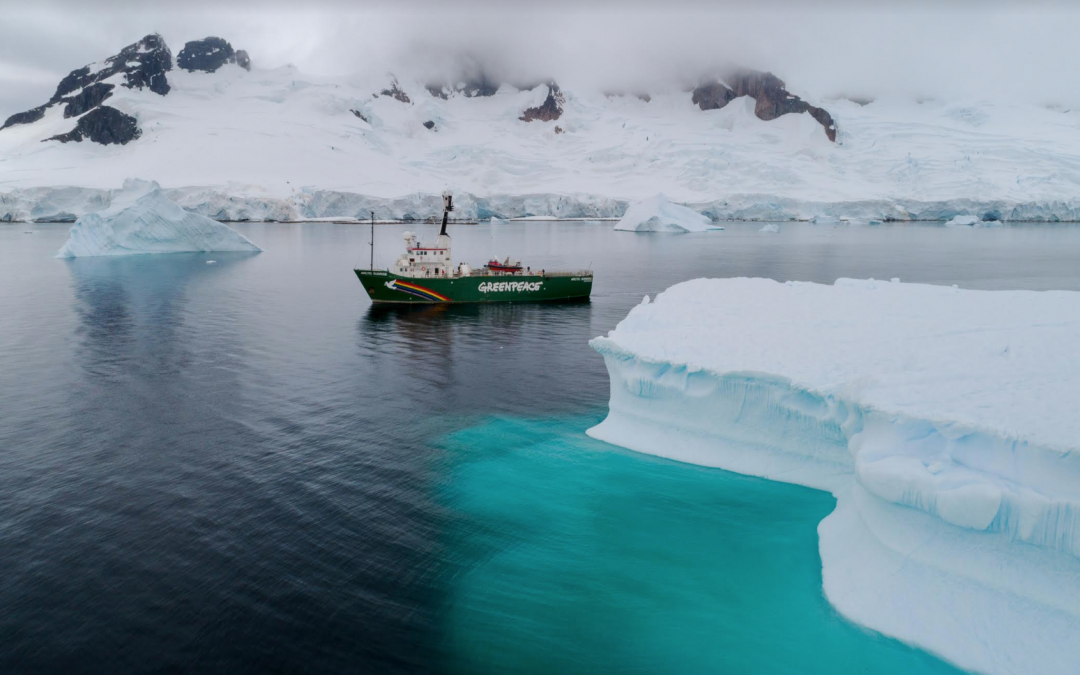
[153, 60]
[144, 64]
[102, 125]
[209, 54]
[76, 79]
[29, 117]
[771, 99]
[712, 96]
[360, 115]
[478, 84]
[396, 92]
[89, 98]
[430, 125]
[548, 111]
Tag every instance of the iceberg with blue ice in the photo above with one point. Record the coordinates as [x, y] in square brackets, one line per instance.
[942, 420]
[142, 219]
[657, 214]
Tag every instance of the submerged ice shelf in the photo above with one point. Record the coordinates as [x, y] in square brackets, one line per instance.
[941, 419]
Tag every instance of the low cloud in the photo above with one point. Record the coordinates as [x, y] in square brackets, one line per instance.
[968, 50]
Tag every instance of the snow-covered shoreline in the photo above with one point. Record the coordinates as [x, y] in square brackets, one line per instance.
[940, 419]
[67, 204]
[277, 145]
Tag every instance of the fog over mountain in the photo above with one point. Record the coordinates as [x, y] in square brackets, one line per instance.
[961, 49]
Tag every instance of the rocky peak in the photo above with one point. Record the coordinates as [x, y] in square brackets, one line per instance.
[396, 92]
[548, 111]
[143, 65]
[209, 54]
[771, 98]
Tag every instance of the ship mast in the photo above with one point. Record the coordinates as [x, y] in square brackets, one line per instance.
[448, 206]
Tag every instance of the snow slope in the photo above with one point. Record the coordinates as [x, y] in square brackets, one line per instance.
[275, 143]
[657, 214]
[141, 219]
[943, 420]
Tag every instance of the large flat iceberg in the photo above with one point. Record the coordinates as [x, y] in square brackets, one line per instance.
[657, 214]
[943, 420]
[141, 219]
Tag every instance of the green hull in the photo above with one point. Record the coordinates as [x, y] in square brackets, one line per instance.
[384, 286]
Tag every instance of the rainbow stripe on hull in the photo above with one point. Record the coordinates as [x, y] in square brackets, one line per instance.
[417, 290]
[385, 286]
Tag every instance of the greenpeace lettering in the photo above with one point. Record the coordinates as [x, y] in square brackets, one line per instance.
[508, 286]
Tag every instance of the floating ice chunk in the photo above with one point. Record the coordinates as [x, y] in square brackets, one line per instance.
[770, 228]
[964, 221]
[657, 214]
[942, 419]
[141, 219]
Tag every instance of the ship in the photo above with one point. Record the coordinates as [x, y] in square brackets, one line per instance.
[426, 274]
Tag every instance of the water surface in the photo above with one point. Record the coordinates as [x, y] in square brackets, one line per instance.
[244, 467]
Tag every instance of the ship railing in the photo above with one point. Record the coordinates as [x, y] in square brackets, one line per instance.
[533, 273]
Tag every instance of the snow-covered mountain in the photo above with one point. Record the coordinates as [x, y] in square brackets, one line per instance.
[233, 141]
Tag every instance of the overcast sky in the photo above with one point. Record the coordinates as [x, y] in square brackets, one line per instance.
[959, 48]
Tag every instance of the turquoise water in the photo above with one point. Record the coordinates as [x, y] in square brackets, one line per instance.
[244, 467]
[580, 557]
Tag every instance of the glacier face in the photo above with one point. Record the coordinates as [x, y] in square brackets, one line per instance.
[657, 214]
[141, 219]
[939, 418]
[251, 144]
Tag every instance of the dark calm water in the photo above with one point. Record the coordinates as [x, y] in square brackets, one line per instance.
[244, 467]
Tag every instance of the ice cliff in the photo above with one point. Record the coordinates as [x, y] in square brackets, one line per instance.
[943, 420]
[657, 214]
[141, 219]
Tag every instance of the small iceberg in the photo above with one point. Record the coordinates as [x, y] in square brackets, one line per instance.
[770, 228]
[972, 221]
[657, 214]
[141, 219]
[964, 221]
